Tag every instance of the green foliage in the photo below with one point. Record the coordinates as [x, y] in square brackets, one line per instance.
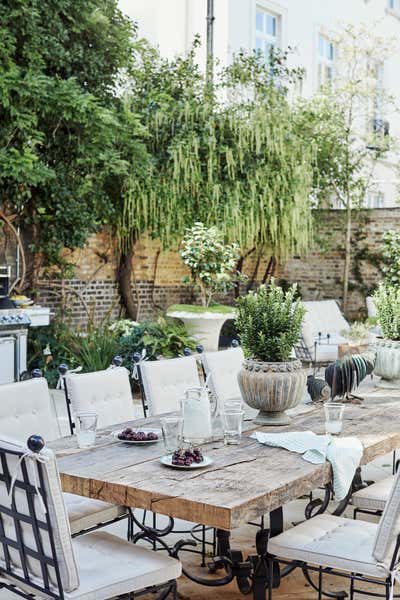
[387, 302]
[62, 165]
[240, 165]
[163, 337]
[94, 349]
[269, 322]
[211, 261]
[358, 332]
[391, 255]
[194, 308]
[47, 349]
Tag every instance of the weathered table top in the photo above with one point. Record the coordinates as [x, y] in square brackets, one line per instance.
[245, 481]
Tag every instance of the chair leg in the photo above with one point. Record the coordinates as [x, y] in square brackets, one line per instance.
[320, 584]
[270, 577]
[352, 588]
[203, 545]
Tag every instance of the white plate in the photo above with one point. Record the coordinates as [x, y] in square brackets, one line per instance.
[145, 430]
[167, 461]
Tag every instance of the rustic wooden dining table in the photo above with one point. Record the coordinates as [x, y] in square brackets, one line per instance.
[244, 482]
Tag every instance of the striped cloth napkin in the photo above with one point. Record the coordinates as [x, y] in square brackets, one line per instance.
[344, 453]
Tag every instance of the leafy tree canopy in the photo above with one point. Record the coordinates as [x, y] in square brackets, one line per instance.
[61, 124]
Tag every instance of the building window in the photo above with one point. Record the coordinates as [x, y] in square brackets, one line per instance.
[375, 200]
[326, 61]
[393, 5]
[267, 32]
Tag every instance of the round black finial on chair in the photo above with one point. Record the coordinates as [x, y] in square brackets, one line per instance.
[117, 361]
[200, 348]
[36, 373]
[187, 352]
[137, 357]
[35, 443]
[235, 343]
[62, 369]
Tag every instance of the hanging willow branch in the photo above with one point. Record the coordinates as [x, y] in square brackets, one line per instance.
[238, 165]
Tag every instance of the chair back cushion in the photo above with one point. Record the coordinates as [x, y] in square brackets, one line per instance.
[107, 393]
[323, 316]
[165, 382]
[223, 368]
[26, 406]
[389, 526]
[30, 533]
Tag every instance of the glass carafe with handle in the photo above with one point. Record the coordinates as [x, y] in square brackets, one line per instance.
[196, 410]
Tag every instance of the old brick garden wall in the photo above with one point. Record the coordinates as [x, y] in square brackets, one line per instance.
[157, 281]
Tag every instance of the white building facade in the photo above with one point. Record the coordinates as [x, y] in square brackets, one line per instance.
[300, 24]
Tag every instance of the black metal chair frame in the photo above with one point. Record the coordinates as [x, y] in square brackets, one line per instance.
[35, 444]
[303, 353]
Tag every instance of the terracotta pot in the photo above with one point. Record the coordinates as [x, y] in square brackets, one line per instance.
[387, 364]
[272, 388]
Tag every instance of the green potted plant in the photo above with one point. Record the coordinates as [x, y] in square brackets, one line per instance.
[269, 325]
[211, 263]
[387, 366]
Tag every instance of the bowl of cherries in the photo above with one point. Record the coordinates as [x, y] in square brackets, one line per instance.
[138, 436]
[186, 458]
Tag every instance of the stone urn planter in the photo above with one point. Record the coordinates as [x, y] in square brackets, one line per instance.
[272, 388]
[387, 364]
[205, 326]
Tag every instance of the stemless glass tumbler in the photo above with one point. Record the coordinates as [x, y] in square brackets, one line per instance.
[172, 430]
[86, 425]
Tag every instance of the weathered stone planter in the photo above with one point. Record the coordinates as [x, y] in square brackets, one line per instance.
[387, 363]
[205, 327]
[272, 388]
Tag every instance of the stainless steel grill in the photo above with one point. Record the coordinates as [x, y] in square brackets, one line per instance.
[14, 325]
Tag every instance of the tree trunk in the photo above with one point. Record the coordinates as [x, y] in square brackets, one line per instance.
[125, 283]
[347, 257]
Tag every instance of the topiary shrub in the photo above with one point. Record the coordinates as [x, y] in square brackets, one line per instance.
[387, 302]
[269, 322]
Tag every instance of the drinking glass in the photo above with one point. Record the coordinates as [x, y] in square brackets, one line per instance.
[233, 404]
[232, 421]
[86, 425]
[172, 430]
[333, 417]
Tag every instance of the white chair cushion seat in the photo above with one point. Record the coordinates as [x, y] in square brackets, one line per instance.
[84, 513]
[375, 496]
[330, 541]
[109, 566]
[325, 352]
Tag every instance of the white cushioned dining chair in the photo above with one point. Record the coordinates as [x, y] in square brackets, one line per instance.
[164, 383]
[38, 557]
[357, 550]
[26, 406]
[107, 393]
[222, 369]
[372, 499]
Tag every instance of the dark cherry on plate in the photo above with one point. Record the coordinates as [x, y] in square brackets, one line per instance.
[185, 458]
[129, 435]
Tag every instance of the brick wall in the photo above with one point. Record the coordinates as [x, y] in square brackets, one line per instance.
[158, 274]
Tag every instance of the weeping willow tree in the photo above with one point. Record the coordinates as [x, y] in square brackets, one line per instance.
[229, 157]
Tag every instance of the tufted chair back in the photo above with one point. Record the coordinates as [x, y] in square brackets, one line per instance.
[36, 547]
[165, 382]
[26, 406]
[389, 526]
[223, 368]
[107, 393]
